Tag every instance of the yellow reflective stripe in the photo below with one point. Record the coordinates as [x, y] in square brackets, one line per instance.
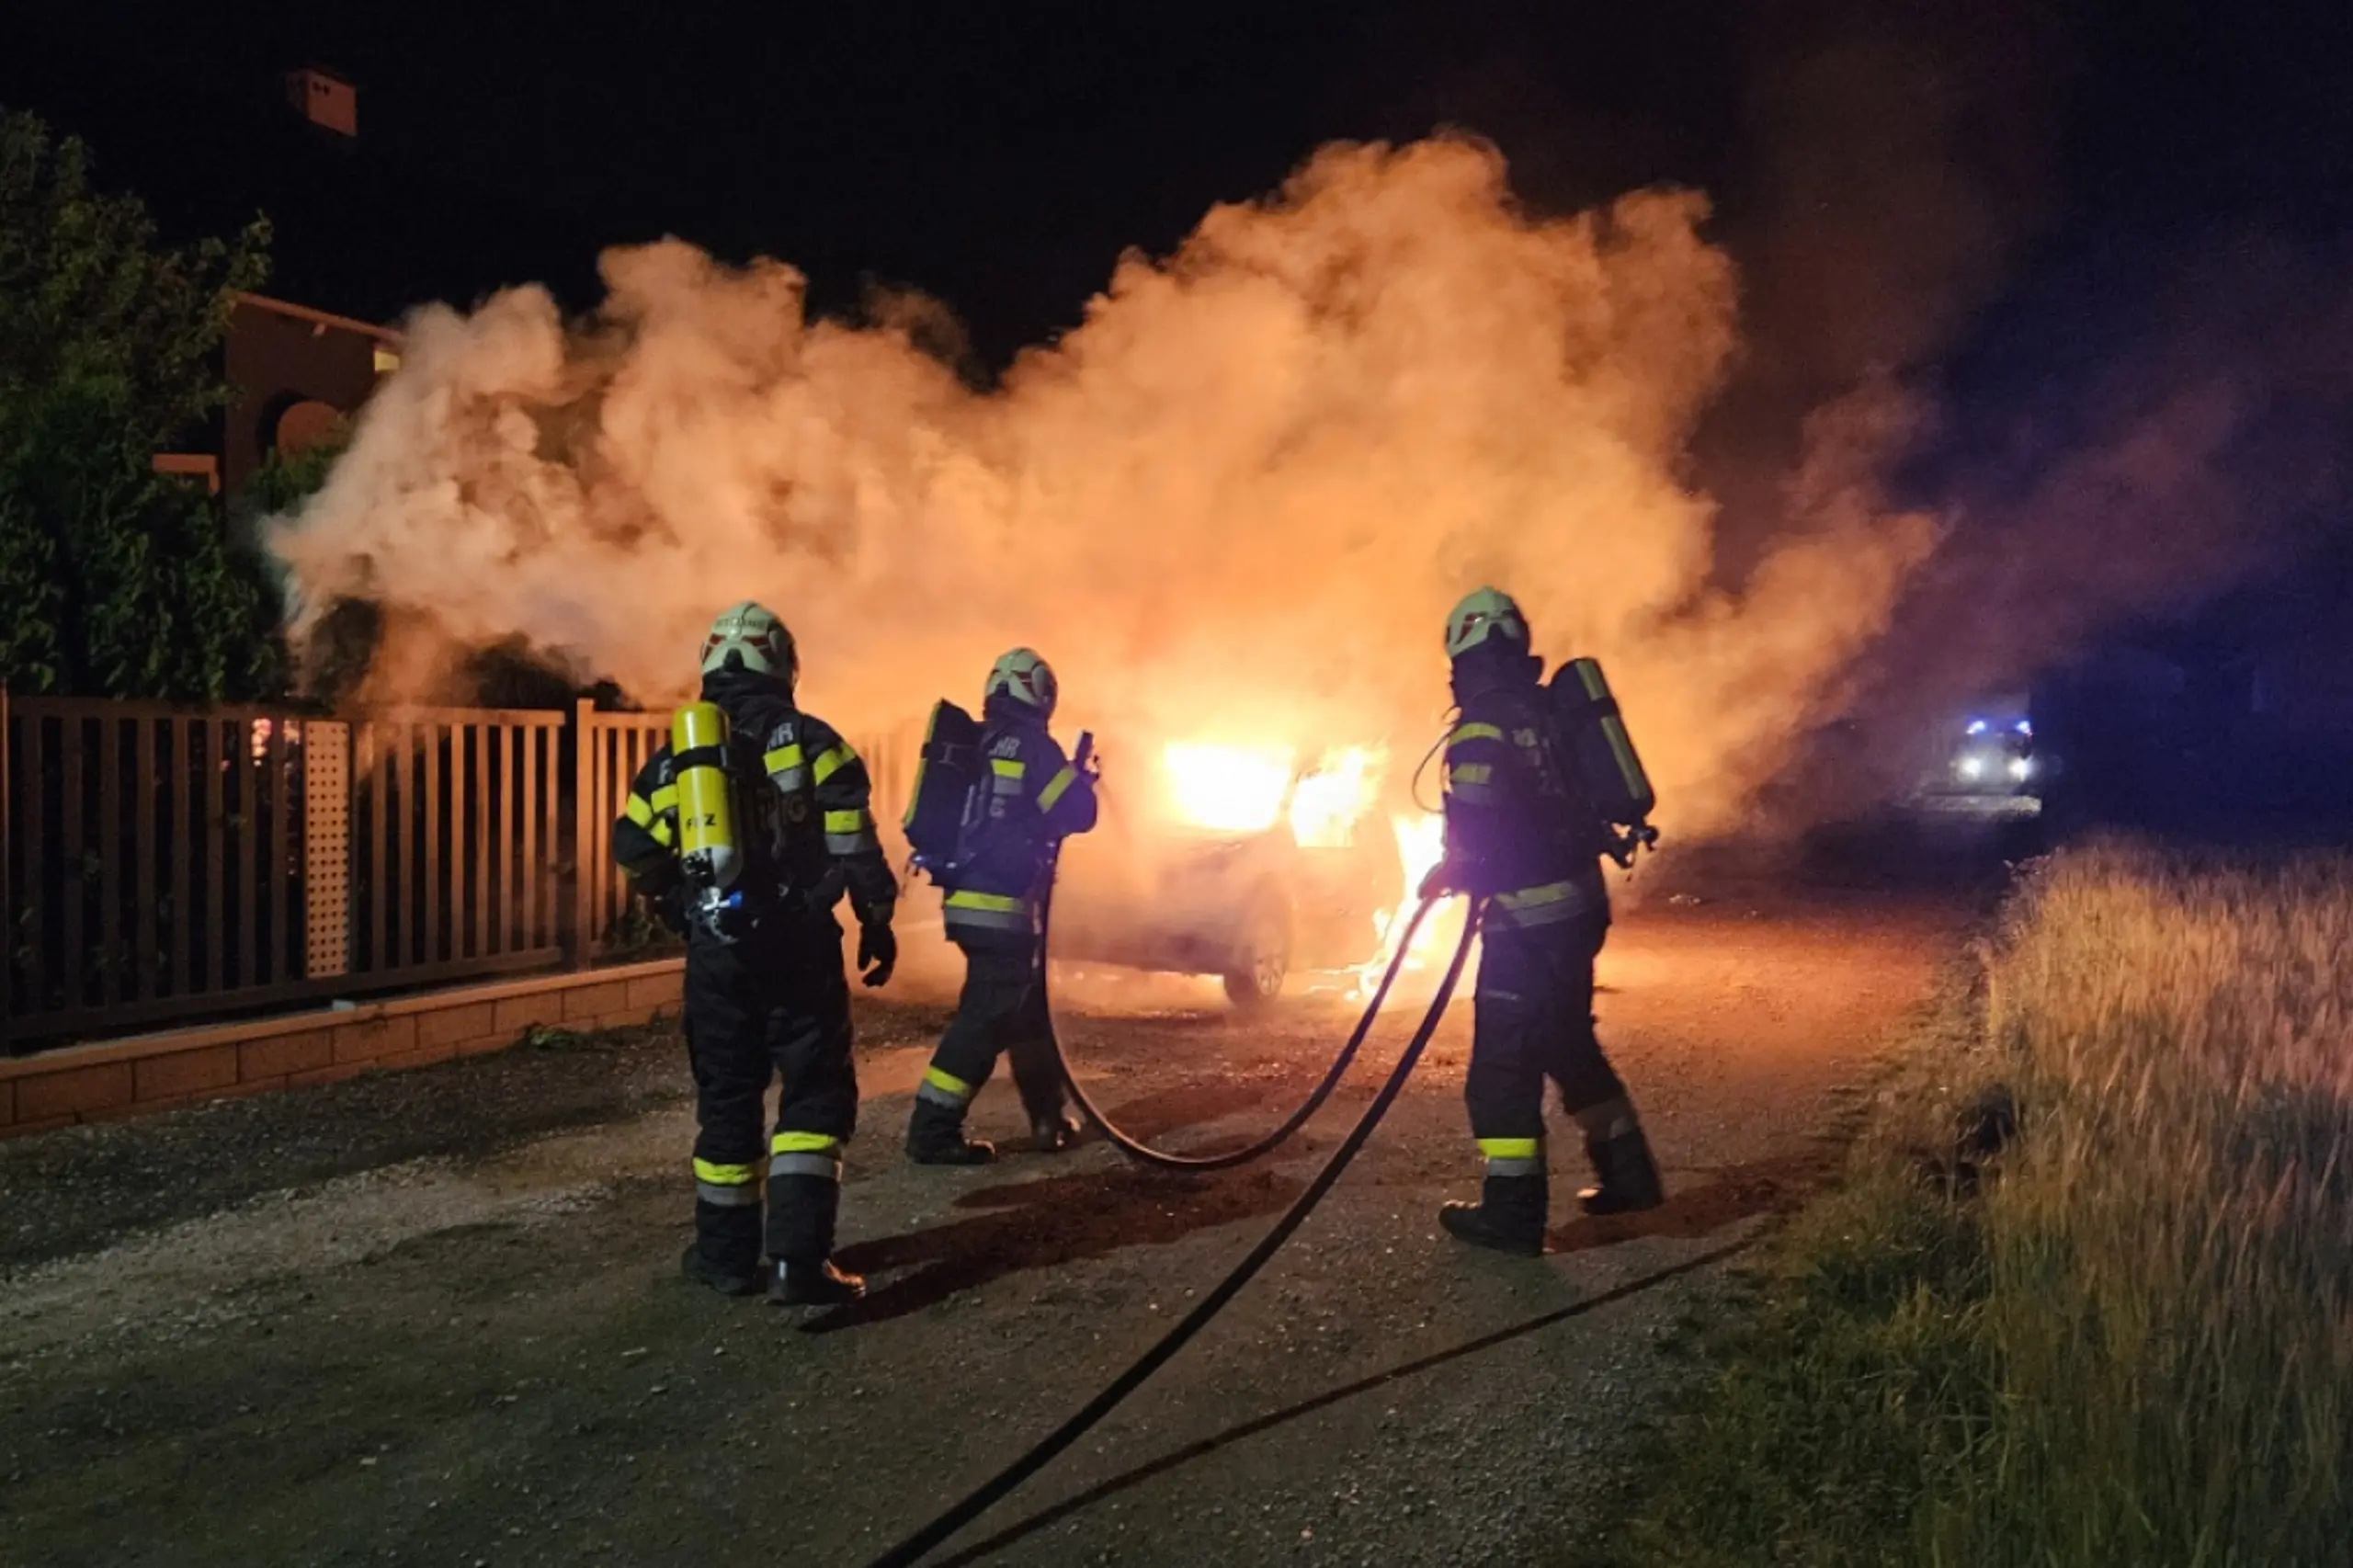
[1474, 733]
[666, 799]
[996, 901]
[914, 795]
[1056, 788]
[1007, 767]
[858, 820]
[948, 1083]
[832, 762]
[637, 811]
[661, 831]
[1510, 1148]
[1471, 773]
[784, 759]
[725, 1175]
[804, 1143]
[1532, 898]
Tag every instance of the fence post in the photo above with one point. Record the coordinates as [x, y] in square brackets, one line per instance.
[584, 835]
[328, 849]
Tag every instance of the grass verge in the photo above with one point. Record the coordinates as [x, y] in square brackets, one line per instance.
[2124, 1335]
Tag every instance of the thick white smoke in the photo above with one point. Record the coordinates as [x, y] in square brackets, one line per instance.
[1236, 503]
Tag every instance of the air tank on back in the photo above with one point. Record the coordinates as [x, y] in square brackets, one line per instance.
[708, 852]
[1599, 746]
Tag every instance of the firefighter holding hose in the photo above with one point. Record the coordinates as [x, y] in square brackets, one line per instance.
[1026, 798]
[747, 829]
[1520, 836]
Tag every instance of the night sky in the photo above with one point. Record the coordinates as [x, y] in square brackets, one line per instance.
[1001, 155]
[2014, 205]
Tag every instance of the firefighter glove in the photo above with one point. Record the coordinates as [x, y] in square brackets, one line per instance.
[878, 952]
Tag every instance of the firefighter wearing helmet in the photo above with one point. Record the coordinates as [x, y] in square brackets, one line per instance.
[747, 830]
[1030, 797]
[1519, 836]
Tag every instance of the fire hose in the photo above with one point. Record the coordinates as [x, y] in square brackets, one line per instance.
[915, 1548]
[1136, 1148]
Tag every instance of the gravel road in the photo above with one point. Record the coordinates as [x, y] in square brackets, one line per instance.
[433, 1317]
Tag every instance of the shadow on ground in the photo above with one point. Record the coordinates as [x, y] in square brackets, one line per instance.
[1722, 1197]
[1058, 1220]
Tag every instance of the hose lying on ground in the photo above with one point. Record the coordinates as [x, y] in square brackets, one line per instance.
[1136, 1148]
[982, 1498]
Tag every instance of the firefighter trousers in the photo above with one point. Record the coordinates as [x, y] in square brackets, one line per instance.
[775, 1004]
[1001, 1012]
[1532, 1020]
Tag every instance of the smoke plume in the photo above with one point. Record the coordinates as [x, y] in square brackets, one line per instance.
[1234, 503]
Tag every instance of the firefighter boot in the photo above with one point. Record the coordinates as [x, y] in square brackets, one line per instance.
[725, 1253]
[802, 1210]
[936, 1137]
[1625, 1178]
[1052, 1129]
[725, 1279]
[1055, 1132]
[1508, 1217]
[818, 1284]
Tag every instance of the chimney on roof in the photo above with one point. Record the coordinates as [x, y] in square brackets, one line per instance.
[325, 100]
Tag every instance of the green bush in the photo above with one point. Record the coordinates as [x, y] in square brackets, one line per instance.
[120, 582]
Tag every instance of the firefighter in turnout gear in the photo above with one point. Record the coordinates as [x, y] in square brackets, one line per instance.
[1519, 836]
[1030, 798]
[765, 994]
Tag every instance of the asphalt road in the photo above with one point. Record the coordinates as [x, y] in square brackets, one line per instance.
[433, 1317]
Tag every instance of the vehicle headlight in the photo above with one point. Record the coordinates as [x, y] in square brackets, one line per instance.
[2020, 768]
[1970, 767]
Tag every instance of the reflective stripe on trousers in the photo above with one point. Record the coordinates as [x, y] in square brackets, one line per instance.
[1513, 1156]
[997, 912]
[945, 1089]
[805, 1154]
[727, 1187]
[1546, 905]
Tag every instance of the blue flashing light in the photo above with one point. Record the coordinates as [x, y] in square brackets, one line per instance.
[1977, 726]
[2024, 727]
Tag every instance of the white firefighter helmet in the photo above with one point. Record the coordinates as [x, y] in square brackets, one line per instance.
[749, 636]
[1484, 615]
[1026, 678]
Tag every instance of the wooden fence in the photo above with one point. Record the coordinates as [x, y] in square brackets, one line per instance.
[158, 864]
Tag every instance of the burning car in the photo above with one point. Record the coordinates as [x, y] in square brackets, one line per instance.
[1240, 863]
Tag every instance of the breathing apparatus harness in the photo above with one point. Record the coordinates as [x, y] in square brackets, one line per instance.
[714, 853]
[710, 859]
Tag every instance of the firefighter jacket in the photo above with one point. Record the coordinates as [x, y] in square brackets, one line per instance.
[1032, 797]
[1518, 831]
[805, 840]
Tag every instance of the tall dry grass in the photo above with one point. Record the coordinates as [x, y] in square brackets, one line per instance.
[2131, 1343]
[2170, 1246]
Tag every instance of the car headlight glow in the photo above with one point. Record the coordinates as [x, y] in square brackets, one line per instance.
[2020, 768]
[1970, 767]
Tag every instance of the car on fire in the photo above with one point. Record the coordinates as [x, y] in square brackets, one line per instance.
[1237, 865]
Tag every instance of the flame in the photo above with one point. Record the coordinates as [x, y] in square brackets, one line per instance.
[1421, 842]
[1226, 789]
[1330, 801]
[1239, 788]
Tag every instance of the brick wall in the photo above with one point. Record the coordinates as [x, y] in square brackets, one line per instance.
[161, 1071]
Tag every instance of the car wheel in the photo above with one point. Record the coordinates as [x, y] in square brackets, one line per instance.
[1263, 960]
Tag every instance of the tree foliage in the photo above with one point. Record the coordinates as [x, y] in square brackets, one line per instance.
[120, 582]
